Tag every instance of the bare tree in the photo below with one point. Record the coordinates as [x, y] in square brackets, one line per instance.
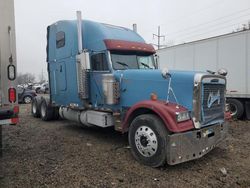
[24, 78]
[41, 78]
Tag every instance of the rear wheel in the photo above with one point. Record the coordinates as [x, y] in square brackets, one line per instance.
[56, 113]
[148, 140]
[236, 108]
[46, 91]
[46, 111]
[35, 107]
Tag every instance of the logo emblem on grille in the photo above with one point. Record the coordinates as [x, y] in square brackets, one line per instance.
[212, 98]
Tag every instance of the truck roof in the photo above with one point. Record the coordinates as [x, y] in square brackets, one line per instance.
[95, 33]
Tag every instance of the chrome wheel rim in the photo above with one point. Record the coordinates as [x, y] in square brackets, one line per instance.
[233, 109]
[146, 141]
[43, 110]
[34, 108]
[27, 100]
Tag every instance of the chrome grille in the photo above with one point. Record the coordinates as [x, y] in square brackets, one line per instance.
[213, 103]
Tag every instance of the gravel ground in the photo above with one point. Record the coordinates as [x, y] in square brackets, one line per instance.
[61, 154]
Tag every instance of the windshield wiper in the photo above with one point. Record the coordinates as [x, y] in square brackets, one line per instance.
[123, 64]
[145, 65]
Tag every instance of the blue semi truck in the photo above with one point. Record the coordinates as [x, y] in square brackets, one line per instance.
[104, 75]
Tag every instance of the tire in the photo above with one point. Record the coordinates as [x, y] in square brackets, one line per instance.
[27, 99]
[35, 107]
[144, 130]
[40, 91]
[46, 91]
[46, 110]
[236, 108]
[56, 113]
[37, 89]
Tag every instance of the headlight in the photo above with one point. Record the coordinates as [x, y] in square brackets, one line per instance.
[182, 116]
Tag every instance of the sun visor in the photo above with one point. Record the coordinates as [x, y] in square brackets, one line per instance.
[121, 45]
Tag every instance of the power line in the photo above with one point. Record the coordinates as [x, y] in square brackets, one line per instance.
[200, 10]
[212, 21]
[215, 29]
[192, 36]
[210, 27]
[208, 24]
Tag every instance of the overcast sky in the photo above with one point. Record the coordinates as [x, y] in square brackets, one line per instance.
[180, 21]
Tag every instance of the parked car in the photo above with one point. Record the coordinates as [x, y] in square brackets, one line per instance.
[36, 87]
[29, 86]
[25, 95]
[41, 88]
[45, 88]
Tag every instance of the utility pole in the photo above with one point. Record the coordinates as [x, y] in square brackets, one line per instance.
[159, 36]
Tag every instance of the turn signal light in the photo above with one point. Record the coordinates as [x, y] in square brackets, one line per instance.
[153, 97]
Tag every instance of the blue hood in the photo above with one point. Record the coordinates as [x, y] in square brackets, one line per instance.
[137, 85]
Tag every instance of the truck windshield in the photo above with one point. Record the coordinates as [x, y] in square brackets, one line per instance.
[121, 62]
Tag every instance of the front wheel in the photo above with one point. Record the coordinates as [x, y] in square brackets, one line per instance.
[148, 140]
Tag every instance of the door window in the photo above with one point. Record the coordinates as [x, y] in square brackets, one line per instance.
[99, 62]
[60, 39]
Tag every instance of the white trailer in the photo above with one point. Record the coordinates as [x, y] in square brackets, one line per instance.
[8, 97]
[230, 51]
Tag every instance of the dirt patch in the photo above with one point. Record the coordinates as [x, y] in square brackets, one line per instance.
[61, 154]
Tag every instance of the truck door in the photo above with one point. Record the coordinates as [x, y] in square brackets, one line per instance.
[61, 76]
[99, 66]
[61, 51]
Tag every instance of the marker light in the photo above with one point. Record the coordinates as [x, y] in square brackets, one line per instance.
[11, 72]
[182, 116]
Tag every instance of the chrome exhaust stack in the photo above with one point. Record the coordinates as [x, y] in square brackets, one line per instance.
[135, 28]
[79, 31]
[83, 64]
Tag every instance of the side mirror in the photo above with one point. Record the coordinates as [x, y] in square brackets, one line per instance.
[165, 73]
[156, 58]
[222, 72]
